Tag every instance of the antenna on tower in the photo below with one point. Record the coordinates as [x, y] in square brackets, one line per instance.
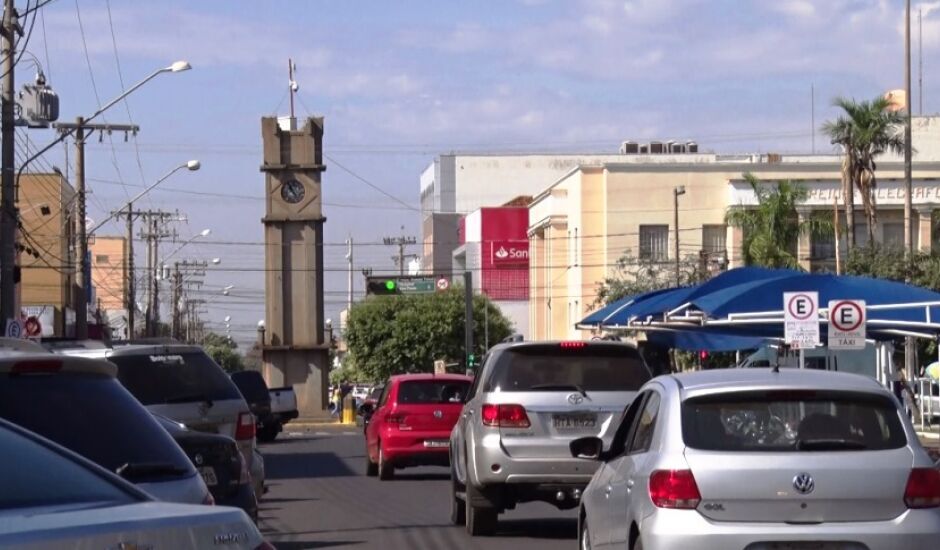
[291, 83]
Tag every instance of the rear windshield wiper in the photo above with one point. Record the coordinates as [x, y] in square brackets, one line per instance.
[138, 470]
[192, 398]
[829, 445]
[574, 387]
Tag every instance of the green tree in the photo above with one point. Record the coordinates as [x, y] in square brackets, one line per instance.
[223, 350]
[864, 130]
[398, 334]
[632, 276]
[772, 229]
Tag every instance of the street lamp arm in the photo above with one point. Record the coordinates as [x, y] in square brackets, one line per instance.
[129, 203]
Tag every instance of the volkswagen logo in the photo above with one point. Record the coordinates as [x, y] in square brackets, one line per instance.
[575, 398]
[803, 483]
[438, 414]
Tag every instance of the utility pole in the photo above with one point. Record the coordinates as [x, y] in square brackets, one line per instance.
[909, 348]
[129, 272]
[175, 303]
[8, 213]
[401, 242]
[680, 190]
[83, 131]
[349, 257]
[154, 221]
[468, 318]
[812, 113]
[920, 61]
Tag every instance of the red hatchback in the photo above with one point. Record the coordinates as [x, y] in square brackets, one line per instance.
[411, 423]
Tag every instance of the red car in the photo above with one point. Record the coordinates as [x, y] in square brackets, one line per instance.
[411, 423]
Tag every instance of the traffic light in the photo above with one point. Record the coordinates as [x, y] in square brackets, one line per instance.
[382, 287]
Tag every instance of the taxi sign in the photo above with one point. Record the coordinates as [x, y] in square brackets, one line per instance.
[847, 324]
[801, 319]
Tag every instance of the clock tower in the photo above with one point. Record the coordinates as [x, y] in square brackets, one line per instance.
[294, 348]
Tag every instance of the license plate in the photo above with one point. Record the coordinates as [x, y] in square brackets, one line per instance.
[436, 443]
[208, 475]
[574, 421]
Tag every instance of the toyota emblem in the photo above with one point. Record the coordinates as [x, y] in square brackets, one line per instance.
[804, 484]
[575, 398]
[438, 414]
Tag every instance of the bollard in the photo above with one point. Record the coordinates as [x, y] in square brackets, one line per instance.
[349, 410]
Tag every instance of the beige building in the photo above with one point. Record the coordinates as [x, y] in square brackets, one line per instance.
[45, 290]
[595, 214]
[107, 271]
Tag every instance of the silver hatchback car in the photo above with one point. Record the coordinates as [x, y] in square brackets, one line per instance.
[531, 399]
[760, 459]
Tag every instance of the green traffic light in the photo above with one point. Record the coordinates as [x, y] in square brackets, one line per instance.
[389, 285]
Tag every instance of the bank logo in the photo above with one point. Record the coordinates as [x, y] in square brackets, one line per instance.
[502, 253]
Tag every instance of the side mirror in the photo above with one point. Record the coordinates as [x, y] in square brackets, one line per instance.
[589, 448]
[366, 409]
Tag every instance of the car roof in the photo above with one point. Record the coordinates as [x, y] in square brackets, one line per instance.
[46, 362]
[429, 376]
[723, 380]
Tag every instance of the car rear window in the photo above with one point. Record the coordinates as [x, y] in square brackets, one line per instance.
[792, 421]
[432, 391]
[560, 367]
[94, 416]
[160, 378]
[252, 386]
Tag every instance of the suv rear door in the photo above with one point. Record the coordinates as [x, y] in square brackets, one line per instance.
[568, 390]
[797, 456]
[430, 405]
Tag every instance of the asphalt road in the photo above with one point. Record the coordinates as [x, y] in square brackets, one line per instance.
[319, 497]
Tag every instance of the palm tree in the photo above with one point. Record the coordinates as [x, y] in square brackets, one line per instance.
[772, 230]
[865, 130]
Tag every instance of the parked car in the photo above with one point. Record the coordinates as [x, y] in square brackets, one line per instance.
[411, 424]
[182, 382]
[255, 391]
[53, 498]
[80, 405]
[218, 461]
[763, 458]
[283, 405]
[530, 400]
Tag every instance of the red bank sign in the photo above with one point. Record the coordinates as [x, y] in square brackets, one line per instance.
[509, 253]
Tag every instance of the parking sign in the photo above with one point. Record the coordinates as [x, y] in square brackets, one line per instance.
[801, 319]
[847, 324]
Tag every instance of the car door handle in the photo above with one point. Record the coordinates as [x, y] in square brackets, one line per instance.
[468, 413]
[630, 484]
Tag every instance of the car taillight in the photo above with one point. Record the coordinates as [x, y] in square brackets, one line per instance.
[923, 488]
[505, 416]
[575, 344]
[208, 500]
[395, 418]
[674, 489]
[36, 366]
[245, 429]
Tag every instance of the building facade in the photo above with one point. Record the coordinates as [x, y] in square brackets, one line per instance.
[495, 249]
[46, 289]
[109, 280]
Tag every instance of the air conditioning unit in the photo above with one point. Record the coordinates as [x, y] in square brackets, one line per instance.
[629, 148]
[691, 147]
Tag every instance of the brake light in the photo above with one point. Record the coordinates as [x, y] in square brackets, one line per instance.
[505, 416]
[209, 500]
[923, 488]
[245, 429]
[36, 366]
[393, 418]
[575, 344]
[674, 489]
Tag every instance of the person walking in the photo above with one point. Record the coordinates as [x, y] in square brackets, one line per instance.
[337, 400]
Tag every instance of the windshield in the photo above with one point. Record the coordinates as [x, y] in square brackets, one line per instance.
[792, 421]
[156, 379]
[252, 387]
[432, 391]
[34, 475]
[94, 416]
[552, 367]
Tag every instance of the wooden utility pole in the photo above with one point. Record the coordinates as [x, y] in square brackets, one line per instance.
[908, 221]
[401, 242]
[154, 221]
[8, 213]
[177, 291]
[835, 227]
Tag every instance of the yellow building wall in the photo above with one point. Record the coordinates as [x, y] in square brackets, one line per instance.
[107, 271]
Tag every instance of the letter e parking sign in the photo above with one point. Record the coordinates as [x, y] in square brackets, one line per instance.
[847, 324]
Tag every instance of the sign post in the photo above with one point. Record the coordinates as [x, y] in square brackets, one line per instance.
[847, 324]
[801, 319]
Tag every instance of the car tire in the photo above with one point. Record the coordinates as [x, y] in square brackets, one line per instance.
[372, 469]
[385, 468]
[458, 508]
[481, 521]
[585, 535]
[268, 433]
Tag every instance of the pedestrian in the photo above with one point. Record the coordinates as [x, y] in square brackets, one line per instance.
[901, 385]
[337, 402]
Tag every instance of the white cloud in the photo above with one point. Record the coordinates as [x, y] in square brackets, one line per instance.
[795, 8]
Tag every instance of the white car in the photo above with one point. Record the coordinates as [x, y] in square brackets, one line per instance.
[53, 498]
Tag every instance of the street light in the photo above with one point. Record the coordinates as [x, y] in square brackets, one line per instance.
[676, 191]
[203, 233]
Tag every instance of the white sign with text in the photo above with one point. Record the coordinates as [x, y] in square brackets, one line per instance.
[801, 319]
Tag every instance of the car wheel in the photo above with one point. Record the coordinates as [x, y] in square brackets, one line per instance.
[385, 468]
[268, 434]
[481, 522]
[458, 508]
[372, 469]
[585, 535]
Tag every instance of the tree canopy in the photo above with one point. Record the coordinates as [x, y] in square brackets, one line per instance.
[223, 351]
[399, 334]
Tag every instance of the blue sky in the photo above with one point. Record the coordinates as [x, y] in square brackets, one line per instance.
[400, 81]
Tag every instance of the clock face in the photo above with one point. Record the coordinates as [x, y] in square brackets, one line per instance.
[292, 191]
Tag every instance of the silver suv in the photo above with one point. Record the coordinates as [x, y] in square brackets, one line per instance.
[530, 400]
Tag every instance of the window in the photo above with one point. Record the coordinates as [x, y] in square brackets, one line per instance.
[892, 234]
[654, 241]
[619, 443]
[822, 247]
[713, 238]
[188, 377]
[102, 259]
[423, 392]
[645, 426]
[861, 233]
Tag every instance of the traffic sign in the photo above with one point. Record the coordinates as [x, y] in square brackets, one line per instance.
[440, 367]
[847, 324]
[443, 284]
[14, 328]
[801, 319]
[32, 327]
